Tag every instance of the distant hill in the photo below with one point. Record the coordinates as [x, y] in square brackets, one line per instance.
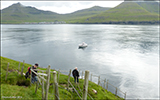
[87, 12]
[125, 13]
[18, 13]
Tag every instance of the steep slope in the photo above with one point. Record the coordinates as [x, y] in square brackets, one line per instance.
[150, 6]
[18, 86]
[125, 12]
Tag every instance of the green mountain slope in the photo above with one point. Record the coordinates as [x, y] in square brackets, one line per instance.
[125, 12]
[86, 12]
[18, 13]
[150, 6]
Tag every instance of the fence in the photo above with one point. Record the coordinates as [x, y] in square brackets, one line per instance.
[102, 82]
[45, 89]
[82, 94]
[105, 84]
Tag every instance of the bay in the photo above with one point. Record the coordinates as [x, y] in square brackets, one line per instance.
[126, 55]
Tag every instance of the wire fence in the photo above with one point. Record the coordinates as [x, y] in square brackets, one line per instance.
[103, 83]
[45, 76]
[106, 85]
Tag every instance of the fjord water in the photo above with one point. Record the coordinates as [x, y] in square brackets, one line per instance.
[126, 55]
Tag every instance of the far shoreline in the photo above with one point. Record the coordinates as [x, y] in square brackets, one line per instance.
[85, 23]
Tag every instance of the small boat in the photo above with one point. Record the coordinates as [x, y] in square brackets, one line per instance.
[83, 45]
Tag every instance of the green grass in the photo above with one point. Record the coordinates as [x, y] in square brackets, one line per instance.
[127, 11]
[11, 87]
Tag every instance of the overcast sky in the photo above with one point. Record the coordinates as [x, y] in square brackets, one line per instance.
[62, 7]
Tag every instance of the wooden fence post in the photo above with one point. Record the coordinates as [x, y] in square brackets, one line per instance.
[85, 86]
[22, 68]
[125, 96]
[107, 85]
[68, 79]
[36, 86]
[50, 77]
[31, 77]
[56, 92]
[91, 77]
[47, 83]
[19, 67]
[98, 80]
[7, 71]
[76, 80]
[116, 91]
[43, 89]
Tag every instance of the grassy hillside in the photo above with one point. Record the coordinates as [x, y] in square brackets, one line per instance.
[127, 11]
[18, 13]
[150, 6]
[85, 13]
[16, 86]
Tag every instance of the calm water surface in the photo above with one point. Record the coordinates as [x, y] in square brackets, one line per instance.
[126, 55]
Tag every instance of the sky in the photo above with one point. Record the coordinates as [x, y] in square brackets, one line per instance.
[62, 7]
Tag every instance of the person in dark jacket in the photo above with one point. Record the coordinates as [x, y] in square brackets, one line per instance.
[75, 74]
[34, 76]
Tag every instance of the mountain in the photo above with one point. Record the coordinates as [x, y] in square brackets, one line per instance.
[150, 6]
[125, 13]
[86, 12]
[18, 13]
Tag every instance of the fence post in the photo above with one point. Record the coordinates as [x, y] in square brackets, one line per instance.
[31, 77]
[68, 79]
[36, 87]
[43, 89]
[116, 91]
[107, 85]
[19, 67]
[98, 80]
[50, 76]
[47, 82]
[56, 92]
[91, 77]
[125, 96]
[22, 68]
[76, 79]
[85, 86]
[7, 71]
